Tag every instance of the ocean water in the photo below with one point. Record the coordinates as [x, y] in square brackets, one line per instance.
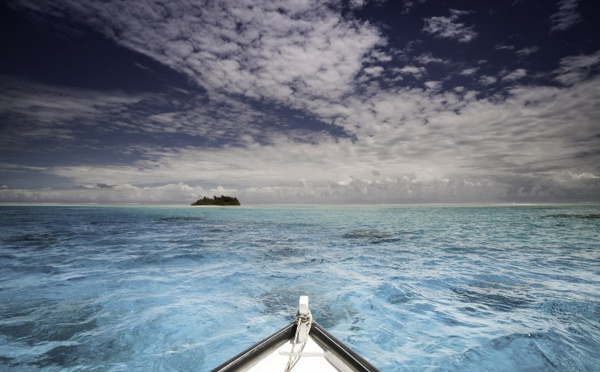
[410, 288]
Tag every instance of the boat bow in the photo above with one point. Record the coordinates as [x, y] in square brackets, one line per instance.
[300, 346]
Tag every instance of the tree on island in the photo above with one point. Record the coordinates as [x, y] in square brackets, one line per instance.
[221, 200]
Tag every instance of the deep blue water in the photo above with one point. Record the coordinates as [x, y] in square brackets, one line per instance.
[440, 288]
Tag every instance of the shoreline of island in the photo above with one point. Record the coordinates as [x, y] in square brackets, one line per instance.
[217, 201]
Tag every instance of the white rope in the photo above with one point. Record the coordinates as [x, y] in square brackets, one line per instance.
[294, 357]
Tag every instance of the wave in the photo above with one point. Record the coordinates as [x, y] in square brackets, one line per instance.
[495, 298]
[371, 236]
[535, 351]
[584, 216]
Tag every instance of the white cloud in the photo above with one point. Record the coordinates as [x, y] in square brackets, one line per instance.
[487, 79]
[584, 183]
[11, 167]
[411, 70]
[503, 46]
[71, 115]
[45, 112]
[515, 75]
[408, 5]
[52, 105]
[379, 56]
[374, 71]
[427, 58]
[469, 71]
[584, 176]
[171, 193]
[286, 51]
[449, 28]
[527, 51]
[357, 3]
[575, 69]
[566, 17]
[433, 85]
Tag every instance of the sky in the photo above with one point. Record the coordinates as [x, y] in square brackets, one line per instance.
[300, 101]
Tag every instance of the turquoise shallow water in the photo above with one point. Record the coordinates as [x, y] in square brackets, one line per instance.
[440, 288]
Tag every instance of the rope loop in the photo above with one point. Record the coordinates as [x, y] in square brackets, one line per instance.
[295, 356]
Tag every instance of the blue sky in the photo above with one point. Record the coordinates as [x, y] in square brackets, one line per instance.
[300, 101]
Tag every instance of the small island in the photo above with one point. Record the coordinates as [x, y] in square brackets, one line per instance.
[221, 200]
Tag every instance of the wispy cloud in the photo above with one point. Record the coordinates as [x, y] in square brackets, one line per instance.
[524, 52]
[46, 112]
[427, 58]
[566, 16]
[503, 46]
[469, 71]
[286, 51]
[575, 69]
[409, 5]
[374, 71]
[433, 85]
[515, 75]
[487, 79]
[411, 70]
[449, 28]
[75, 116]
